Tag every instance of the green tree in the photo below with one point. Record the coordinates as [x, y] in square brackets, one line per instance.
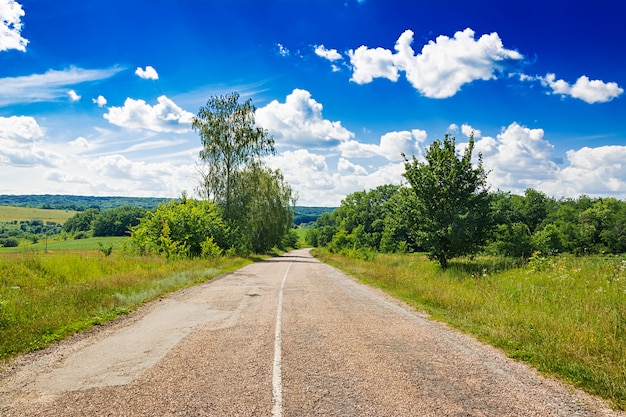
[117, 221]
[231, 142]
[185, 228]
[452, 200]
[80, 222]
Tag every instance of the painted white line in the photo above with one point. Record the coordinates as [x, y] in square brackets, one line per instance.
[277, 385]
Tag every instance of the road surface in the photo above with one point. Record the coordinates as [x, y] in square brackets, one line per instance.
[288, 336]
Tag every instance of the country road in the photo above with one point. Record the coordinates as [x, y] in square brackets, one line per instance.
[288, 336]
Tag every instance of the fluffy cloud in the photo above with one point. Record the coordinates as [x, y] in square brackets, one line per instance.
[590, 91]
[518, 158]
[165, 116]
[18, 146]
[100, 101]
[597, 171]
[11, 13]
[299, 121]
[73, 95]
[49, 86]
[329, 54]
[147, 74]
[392, 145]
[442, 67]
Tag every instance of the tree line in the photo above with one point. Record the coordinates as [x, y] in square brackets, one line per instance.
[447, 211]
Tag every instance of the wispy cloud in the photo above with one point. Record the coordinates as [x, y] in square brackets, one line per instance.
[49, 86]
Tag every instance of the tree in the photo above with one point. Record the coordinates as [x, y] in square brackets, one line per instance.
[452, 200]
[117, 221]
[231, 142]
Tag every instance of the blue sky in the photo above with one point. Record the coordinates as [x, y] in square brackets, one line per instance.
[96, 97]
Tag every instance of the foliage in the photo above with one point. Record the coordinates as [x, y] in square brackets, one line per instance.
[64, 203]
[117, 221]
[230, 143]
[564, 315]
[179, 229]
[255, 202]
[452, 201]
[81, 222]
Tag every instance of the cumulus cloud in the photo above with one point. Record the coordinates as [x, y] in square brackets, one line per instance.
[299, 121]
[73, 95]
[50, 86]
[391, 146]
[442, 67]
[18, 146]
[165, 116]
[100, 101]
[11, 14]
[149, 73]
[329, 54]
[590, 91]
[518, 158]
[597, 171]
[468, 130]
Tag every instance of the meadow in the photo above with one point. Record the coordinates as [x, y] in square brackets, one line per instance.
[47, 296]
[564, 315]
[11, 213]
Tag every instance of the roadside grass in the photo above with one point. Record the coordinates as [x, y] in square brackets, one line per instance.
[58, 244]
[11, 213]
[46, 297]
[565, 315]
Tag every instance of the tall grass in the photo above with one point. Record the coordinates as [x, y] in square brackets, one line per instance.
[47, 296]
[566, 315]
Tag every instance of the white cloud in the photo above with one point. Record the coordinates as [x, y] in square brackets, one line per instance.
[73, 95]
[18, 146]
[467, 130]
[147, 74]
[299, 121]
[597, 171]
[517, 158]
[590, 91]
[329, 54]
[345, 167]
[282, 50]
[100, 101]
[391, 146]
[165, 116]
[11, 13]
[49, 86]
[442, 67]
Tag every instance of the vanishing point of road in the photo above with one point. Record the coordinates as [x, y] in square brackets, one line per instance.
[289, 336]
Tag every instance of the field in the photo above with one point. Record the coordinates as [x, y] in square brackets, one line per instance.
[10, 213]
[89, 244]
[565, 315]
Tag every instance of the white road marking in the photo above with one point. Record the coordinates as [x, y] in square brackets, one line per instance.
[277, 386]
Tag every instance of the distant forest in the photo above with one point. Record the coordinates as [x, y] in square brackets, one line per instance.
[302, 214]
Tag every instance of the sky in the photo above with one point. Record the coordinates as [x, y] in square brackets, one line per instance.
[97, 97]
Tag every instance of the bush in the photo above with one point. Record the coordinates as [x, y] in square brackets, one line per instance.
[9, 242]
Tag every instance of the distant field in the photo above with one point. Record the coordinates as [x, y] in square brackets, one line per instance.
[9, 213]
[70, 245]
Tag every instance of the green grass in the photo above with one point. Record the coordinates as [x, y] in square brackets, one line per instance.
[566, 316]
[45, 297]
[57, 244]
[10, 213]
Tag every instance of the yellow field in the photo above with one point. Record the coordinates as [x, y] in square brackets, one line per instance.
[9, 213]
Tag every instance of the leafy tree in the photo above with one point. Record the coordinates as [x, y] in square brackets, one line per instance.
[231, 142]
[452, 200]
[80, 222]
[117, 221]
[180, 229]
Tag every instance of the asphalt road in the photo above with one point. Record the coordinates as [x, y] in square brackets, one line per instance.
[289, 336]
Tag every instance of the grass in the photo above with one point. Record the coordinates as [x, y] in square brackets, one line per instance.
[45, 297]
[53, 244]
[566, 315]
[10, 213]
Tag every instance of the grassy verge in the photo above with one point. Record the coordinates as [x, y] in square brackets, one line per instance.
[45, 297]
[566, 316]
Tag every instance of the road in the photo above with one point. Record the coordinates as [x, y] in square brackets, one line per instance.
[288, 336]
